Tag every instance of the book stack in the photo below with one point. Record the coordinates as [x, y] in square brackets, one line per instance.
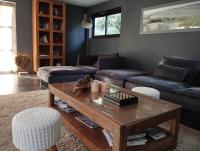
[155, 133]
[86, 121]
[63, 106]
[134, 140]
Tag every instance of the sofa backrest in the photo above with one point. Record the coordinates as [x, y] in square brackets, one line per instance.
[193, 66]
[198, 80]
[84, 59]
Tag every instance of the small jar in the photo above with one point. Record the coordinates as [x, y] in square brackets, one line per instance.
[105, 86]
[95, 87]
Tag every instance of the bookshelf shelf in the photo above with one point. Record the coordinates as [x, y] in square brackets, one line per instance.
[44, 30]
[44, 15]
[58, 17]
[44, 57]
[57, 31]
[48, 32]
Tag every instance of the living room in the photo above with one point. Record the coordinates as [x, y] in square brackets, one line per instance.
[100, 75]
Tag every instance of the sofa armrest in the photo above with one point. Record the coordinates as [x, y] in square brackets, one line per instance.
[112, 63]
[86, 59]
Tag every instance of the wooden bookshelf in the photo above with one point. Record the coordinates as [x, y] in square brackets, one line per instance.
[49, 19]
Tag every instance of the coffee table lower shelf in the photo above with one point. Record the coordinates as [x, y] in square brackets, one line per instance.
[96, 141]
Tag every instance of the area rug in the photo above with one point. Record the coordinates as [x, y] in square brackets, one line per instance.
[189, 139]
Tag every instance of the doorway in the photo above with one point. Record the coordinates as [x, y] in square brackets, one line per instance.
[7, 37]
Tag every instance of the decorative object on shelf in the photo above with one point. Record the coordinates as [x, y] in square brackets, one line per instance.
[173, 17]
[44, 25]
[23, 62]
[58, 64]
[44, 39]
[56, 12]
[82, 84]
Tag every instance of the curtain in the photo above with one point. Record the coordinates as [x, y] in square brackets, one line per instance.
[8, 42]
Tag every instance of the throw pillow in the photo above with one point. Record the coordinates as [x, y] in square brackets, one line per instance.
[106, 55]
[171, 73]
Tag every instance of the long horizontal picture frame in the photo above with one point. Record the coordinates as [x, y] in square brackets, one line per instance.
[182, 16]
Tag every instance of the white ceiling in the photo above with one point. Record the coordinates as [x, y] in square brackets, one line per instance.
[84, 3]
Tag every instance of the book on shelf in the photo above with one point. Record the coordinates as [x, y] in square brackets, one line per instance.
[108, 136]
[86, 121]
[63, 106]
[133, 140]
[155, 133]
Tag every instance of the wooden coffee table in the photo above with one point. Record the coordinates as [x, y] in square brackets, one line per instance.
[121, 122]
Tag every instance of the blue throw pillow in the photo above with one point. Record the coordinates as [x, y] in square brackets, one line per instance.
[171, 73]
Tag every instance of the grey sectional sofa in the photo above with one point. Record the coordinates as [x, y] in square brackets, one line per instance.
[177, 79]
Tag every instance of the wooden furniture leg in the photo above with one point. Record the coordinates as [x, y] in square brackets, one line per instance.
[53, 148]
[119, 139]
[51, 99]
[175, 128]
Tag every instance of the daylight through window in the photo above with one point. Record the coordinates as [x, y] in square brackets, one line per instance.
[108, 24]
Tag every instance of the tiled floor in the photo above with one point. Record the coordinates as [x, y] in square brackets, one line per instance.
[13, 83]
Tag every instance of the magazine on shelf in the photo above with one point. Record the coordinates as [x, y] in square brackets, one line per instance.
[155, 133]
[86, 121]
[63, 106]
[108, 136]
[142, 135]
[134, 140]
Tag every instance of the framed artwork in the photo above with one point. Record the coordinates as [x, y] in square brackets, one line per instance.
[182, 16]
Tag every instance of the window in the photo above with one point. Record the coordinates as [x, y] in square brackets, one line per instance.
[7, 36]
[107, 24]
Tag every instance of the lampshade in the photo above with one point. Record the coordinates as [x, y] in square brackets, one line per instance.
[86, 22]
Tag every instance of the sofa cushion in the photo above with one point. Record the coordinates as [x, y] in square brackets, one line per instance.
[171, 73]
[121, 74]
[192, 66]
[192, 92]
[105, 55]
[60, 70]
[158, 83]
[88, 69]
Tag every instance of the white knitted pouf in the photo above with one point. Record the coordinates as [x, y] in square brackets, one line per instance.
[147, 91]
[36, 129]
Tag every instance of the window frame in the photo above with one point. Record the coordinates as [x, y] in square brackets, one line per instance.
[105, 14]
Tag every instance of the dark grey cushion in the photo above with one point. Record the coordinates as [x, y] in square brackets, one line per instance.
[171, 73]
[192, 66]
[192, 92]
[60, 70]
[121, 74]
[88, 69]
[105, 55]
[158, 83]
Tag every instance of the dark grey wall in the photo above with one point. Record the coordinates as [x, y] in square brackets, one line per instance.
[75, 33]
[144, 51]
